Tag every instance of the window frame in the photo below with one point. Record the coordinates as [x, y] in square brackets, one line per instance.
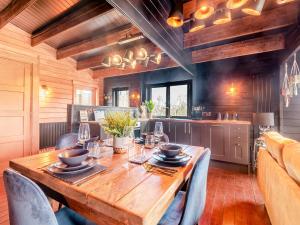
[168, 85]
[77, 85]
[115, 96]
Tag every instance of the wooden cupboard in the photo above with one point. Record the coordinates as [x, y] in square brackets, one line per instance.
[228, 141]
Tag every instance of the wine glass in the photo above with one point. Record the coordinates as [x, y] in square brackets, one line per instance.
[158, 130]
[83, 133]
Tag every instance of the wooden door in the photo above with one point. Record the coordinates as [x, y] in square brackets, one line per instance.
[15, 108]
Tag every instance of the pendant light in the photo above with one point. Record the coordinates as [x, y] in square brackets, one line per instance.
[116, 60]
[175, 18]
[222, 14]
[234, 4]
[254, 7]
[106, 61]
[196, 25]
[156, 58]
[204, 9]
[128, 57]
[280, 2]
[133, 64]
[141, 55]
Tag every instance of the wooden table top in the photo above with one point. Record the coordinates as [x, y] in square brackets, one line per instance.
[123, 194]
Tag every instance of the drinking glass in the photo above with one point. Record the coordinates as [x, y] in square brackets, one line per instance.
[94, 149]
[83, 133]
[158, 130]
[130, 143]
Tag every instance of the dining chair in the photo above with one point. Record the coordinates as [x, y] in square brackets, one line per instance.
[187, 207]
[67, 141]
[28, 205]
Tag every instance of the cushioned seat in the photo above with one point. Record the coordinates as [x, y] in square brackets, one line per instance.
[175, 210]
[28, 204]
[187, 207]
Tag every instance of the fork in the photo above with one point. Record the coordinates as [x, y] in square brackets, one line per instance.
[153, 169]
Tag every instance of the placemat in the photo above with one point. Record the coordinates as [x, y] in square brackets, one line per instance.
[78, 178]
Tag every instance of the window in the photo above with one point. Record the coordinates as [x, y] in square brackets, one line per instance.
[121, 97]
[171, 99]
[83, 97]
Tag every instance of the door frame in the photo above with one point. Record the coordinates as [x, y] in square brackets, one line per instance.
[33, 61]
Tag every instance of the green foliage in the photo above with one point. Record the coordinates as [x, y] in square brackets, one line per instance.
[118, 124]
[150, 105]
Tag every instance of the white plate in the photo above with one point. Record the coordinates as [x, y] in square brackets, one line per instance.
[53, 169]
[65, 167]
[182, 160]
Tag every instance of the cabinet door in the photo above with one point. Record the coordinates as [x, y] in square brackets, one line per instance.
[239, 144]
[200, 135]
[219, 141]
[169, 129]
[183, 133]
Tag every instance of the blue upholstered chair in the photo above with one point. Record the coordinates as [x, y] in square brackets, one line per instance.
[68, 140]
[28, 204]
[187, 207]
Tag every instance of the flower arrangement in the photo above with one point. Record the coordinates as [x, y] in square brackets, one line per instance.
[118, 124]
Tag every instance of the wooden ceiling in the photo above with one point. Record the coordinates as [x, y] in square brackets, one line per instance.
[88, 30]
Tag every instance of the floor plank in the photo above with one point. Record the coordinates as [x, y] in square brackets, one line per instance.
[233, 198]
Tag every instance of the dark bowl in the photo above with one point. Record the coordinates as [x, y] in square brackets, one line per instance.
[73, 157]
[170, 150]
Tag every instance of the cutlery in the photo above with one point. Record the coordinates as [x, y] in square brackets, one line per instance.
[150, 168]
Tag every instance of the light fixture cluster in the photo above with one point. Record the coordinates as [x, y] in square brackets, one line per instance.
[221, 13]
[131, 59]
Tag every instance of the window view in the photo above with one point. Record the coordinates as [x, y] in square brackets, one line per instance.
[172, 96]
[121, 97]
[159, 97]
[84, 97]
[179, 100]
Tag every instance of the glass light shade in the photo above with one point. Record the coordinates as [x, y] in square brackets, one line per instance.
[234, 4]
[204, 10]
[175, 18]
[128, 57]
[116, 60]
[254, 7]
[263, 119]
[106, 61]
[280, 2]
[142, 54]
[222, 14]
[197, 25]
[156, 58]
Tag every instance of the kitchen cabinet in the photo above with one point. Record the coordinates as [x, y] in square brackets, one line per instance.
[218, 141]
[183, 132]
[168, 127]
[199, 135]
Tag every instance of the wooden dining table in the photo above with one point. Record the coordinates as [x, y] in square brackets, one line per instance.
[125, 193]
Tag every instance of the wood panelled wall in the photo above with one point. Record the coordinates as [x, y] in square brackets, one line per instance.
[290, 116]
[57, 75]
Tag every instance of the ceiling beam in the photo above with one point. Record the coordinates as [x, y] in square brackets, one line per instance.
[270, 20]
[111, 72]
[235, 49]
[108, 39]
[150, 17]
[240, 48]
[14, 8]
[79, 13]
[96, 61]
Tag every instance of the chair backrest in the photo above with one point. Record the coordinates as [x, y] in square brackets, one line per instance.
[26, 201]
[196, 191]
[68, 140]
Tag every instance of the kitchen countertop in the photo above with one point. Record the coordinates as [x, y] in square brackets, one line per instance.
[239, 122]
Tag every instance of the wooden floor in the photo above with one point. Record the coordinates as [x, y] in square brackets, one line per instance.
[233, 198]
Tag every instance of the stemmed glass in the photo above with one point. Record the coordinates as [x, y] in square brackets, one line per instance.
[159, 131]
[83, 133]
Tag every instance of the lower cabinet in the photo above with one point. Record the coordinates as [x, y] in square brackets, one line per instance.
[218, 141]
[183, 133]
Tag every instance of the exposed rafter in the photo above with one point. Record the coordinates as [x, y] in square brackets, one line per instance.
[241, 48]
[270, 20]
[150, 18]
[108, 39]
[14, 8]
[79, 13]
[232, 50]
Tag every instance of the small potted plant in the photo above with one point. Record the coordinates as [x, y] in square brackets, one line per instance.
[150, 107]
[119, 125]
